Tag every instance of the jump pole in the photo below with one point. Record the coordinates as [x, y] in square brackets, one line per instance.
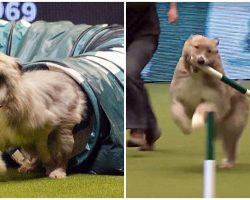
[209, 164]
[220, 76]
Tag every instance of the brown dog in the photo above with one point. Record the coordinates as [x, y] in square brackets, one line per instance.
[194, 93]
[37, 105]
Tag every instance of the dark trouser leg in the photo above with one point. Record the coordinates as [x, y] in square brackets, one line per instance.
[139, 111]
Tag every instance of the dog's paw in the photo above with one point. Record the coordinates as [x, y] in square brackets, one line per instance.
[3, 168]
[25, 169]
[187, 131]
[225, 164]
[197, 121]
[58, 174]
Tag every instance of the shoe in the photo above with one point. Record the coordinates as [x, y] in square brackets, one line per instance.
[152, 135]
[137, 138]
[150, 140]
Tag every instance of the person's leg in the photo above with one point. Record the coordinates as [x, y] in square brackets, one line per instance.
[138, 55]
[139, 112]
[142, 41]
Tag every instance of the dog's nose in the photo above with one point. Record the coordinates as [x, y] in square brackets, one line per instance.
[201, 60]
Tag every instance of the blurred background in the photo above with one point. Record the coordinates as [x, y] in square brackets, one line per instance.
[77, 12]
[229, 22]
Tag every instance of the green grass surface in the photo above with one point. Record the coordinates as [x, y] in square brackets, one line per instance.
[17, 185]
[175, 169]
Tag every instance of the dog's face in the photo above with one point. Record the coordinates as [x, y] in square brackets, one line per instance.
[202, 50]
[10, 73]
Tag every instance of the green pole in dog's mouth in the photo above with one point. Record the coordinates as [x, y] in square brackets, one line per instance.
[209, 70]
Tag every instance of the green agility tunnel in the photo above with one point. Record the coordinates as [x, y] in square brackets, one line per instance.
[92, 56]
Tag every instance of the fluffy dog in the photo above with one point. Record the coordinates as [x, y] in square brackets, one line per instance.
[38, 111]
[194, 93]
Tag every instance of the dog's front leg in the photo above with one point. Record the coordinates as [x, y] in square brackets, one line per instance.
[30, 162]
[200, 114]
[180, 117]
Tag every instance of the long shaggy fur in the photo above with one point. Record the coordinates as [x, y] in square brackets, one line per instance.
[37, 105]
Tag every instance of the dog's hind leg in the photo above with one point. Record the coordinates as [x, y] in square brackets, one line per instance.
[61, 146]
[230, 142]
[231, 131]
[180, 117]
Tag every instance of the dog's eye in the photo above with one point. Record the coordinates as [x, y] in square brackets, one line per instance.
[209, 51]
[196, 46]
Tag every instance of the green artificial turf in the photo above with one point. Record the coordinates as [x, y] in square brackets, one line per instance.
[175, 168]
[16, 185]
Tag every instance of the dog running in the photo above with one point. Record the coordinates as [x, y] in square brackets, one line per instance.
[193, 94]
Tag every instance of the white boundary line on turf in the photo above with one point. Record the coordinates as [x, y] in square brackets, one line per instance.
[125, 85]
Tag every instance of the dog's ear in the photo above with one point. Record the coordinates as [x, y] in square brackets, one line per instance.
[20, 67]
[216, 41]
[191, 36]
[196, 36]
[18, 64]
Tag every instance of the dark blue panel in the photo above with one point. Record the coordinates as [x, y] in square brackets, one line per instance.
[192, 20]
